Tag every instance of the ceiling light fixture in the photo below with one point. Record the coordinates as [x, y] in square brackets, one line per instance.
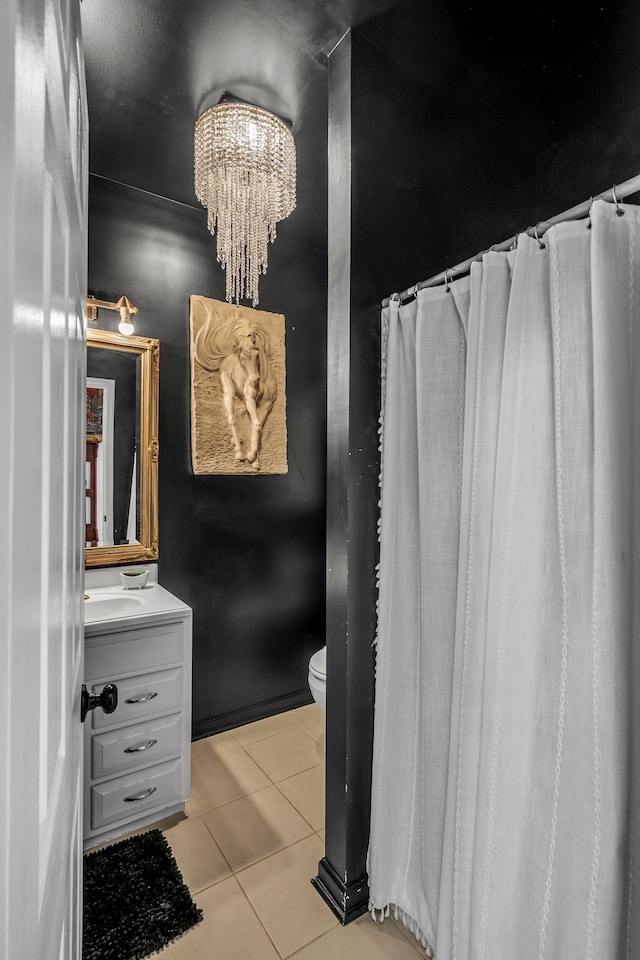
[124, 307]
[245, 175]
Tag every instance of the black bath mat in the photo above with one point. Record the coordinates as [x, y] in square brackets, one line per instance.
[135, 900]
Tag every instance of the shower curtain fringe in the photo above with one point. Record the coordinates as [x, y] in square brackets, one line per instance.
[383, 379]
[624, 189]
[380, 914]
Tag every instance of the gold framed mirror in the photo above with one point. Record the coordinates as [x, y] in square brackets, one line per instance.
[121, 465]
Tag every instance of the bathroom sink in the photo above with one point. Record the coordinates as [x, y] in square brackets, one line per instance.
[104, 606]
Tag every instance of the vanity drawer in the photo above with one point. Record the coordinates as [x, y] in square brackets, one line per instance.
[140, 697]
[131, 795]
[134, 651]
[132, 746]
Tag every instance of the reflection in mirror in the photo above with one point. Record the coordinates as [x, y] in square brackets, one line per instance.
[121, 448]
[113, 438]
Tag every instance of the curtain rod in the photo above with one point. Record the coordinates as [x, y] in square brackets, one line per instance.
[574, 213]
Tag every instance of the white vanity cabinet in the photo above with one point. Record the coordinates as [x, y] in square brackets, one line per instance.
[136, 759]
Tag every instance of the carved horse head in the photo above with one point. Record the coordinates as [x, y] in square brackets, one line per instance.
[249, 356]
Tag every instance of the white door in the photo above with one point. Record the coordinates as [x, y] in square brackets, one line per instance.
[43, 187]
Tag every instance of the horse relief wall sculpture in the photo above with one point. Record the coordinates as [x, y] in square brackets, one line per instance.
[238, 400]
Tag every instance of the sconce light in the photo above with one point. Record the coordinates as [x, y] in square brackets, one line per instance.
[245, 175]
[126, 309]
[123, 306]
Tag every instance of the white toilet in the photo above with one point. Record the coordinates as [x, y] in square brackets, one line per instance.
[318, 677]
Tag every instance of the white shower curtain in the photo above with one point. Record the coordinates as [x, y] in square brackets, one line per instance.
[507, 719]
[422, 475]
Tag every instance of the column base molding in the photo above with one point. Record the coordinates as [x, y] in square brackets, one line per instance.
[347, 901]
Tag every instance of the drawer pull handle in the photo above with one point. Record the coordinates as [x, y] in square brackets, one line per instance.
[141, 747]
[140, 796]
[142, 699]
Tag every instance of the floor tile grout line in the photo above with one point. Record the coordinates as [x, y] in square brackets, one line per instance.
[310, 735]
[207, 886]
[290, 720]
[257, 915]
[297, 809]
[272, 783]
[282, 779]
[300, 730]
[257, 762]
[275, 853]
[220, 759]
[243, 746]
[244, 796]
[275, 784]
[234, 873]
[300, 772]
[313, 832]
[230, 744]
[299, 722]
[301, 726]
[226, 803]
[299, 950]
[295, 727]
[271, 854]
[269, 736]
[210, 832]
[272, 736]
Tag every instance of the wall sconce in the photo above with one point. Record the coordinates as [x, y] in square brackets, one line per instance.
[245, 175]
[124, 306]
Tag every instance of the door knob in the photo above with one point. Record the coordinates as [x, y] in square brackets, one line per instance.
[107, 699]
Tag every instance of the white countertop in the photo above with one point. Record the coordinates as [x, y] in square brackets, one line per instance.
[114, 607]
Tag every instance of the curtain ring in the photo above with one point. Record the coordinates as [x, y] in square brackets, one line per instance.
[394, 296]
[619, 210]
[589, 214]
[541, 245]
[446, 280]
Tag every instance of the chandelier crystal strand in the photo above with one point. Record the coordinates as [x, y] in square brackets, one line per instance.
[245, 176]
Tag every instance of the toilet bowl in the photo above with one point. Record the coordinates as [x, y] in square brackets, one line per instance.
[318, 677]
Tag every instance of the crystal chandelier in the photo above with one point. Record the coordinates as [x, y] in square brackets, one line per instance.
[245, 175]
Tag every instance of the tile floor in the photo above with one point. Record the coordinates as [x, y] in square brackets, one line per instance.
[250, 843]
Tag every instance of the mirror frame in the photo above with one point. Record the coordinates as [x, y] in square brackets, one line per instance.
[148, 350]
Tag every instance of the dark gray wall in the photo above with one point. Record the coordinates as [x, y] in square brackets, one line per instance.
[246, 553]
